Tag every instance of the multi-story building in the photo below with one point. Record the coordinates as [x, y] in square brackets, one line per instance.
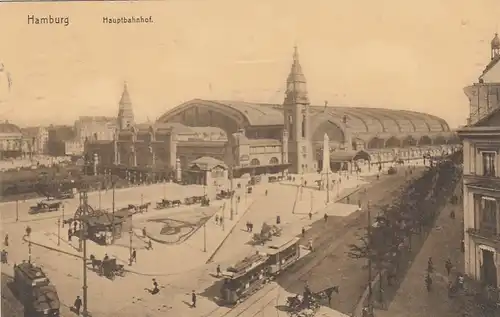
[481, 186]
[484, 96]
[100, 128]
[58, 136]
[12, 142]
[39, 137]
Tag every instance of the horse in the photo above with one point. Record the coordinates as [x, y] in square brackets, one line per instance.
[96, 264]
[144, 207]
[176, 203]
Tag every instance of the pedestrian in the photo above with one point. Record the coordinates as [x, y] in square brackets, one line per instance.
[216, 219]
[150, 245]
[448, 266]
[310, 245]
[28, 231]
[3, 256]
[452, 214]
[251, 227]
[303, 232]
[77, 305]
[155, 290]
[430, 265]
[428, 282]
[6, 240]
[221, 221]
[218, 271]
[266, 192]
[462, 246]
[325, 216]
[144, 232]
[193, 299]
[74, 226]
[310, 215]
[134, 256]
[278, 220]
[460, 281]
[70, 234]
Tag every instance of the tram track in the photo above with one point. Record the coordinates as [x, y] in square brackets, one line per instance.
[324, 248]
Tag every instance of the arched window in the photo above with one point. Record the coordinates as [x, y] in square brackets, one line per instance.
[255, 162]
[274, 161]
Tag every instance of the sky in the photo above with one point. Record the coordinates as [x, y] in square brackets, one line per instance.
[415, 55]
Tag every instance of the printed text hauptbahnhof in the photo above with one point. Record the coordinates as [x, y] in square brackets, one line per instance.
[127, 20]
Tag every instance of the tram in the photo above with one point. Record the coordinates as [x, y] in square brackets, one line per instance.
[253, 272]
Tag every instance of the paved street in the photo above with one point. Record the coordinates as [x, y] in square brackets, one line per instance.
[128, 296]
[412, 298]
[327, 266]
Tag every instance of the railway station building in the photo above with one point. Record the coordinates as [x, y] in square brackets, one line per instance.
[270, 138]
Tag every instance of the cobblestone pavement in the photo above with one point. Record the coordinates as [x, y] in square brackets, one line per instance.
[412, 298]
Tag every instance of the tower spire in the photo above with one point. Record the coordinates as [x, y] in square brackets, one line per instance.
[296, 91]
[125, 111]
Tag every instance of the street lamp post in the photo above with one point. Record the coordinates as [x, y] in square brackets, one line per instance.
[369, 231]
[58, 231]
[63, 215]
[113, 212]
[231, 215]
[17, 210]
[205, 237]
[29, 249]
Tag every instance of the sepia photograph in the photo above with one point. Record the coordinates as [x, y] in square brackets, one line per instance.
[142, 143]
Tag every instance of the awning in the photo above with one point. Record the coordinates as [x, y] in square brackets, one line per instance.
[346, 156]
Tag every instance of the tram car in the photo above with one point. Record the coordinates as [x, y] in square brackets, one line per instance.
[36, 292]
[250, 274]
[282, 252]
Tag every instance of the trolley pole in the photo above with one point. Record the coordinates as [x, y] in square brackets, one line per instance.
[369, 231]
[231, 215]
[205, 237]
[113, 213]
[63, 215]
[58, 231]
[17, 210]
[83, 229]
[131, 233]
[29, 249]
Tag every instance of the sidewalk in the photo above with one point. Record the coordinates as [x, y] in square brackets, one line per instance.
[412, 298]
[164, 259]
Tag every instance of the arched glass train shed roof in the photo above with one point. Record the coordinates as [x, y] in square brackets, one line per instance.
[360, 120]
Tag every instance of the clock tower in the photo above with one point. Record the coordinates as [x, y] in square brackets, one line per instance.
[296, 115]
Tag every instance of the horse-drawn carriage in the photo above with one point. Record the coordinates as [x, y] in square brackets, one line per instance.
[224, 194]
[165, 203]
[107, 267]
[45, 206]
[266, 234]
[140, 208]
[308, 303]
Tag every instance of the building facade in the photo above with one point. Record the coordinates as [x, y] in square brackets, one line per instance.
[58, 136]
[260, 138]
[484, 95]
[481, 148]
[13, 144]
[39, 137]
[277, 137]
[481, 185]
[97, 127]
